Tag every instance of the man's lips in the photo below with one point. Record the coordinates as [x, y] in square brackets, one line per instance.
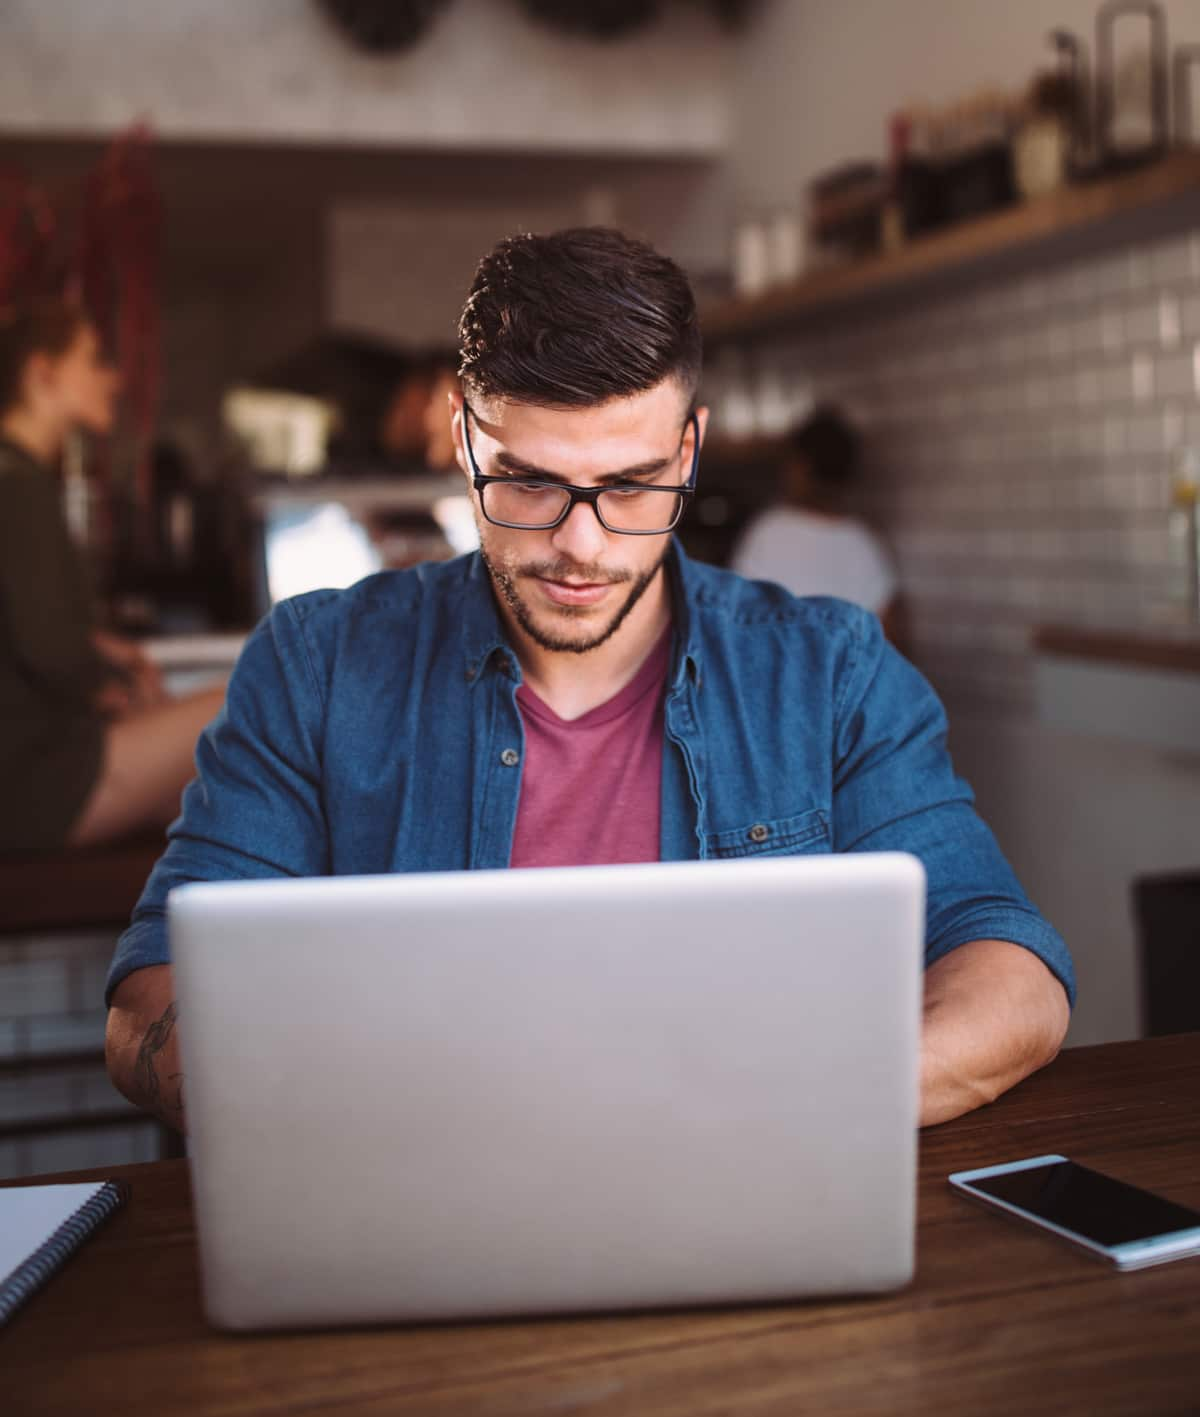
[574, 592]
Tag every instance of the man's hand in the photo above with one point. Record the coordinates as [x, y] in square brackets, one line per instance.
[141, 1046]
[993, 1014]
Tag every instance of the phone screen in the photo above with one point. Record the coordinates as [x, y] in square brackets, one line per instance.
[1089, 1203]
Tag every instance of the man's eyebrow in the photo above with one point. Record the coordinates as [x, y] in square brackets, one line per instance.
[520, 468]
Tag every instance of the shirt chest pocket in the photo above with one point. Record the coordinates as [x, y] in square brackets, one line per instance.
[772, 836]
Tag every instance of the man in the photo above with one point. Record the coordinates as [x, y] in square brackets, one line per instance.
[581, 692]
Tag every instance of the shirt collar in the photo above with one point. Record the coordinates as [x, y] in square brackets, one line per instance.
[484, 641]
[483, 637]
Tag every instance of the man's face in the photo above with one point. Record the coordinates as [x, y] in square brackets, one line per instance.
[570, 588]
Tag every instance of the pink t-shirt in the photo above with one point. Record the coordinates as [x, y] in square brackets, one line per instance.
[591, 787]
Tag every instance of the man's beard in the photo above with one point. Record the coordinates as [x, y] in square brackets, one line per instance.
[505, 582]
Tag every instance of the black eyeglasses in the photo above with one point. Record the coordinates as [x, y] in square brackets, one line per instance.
[628, 508]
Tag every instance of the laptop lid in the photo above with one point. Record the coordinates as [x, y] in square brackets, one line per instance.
[502, 1092]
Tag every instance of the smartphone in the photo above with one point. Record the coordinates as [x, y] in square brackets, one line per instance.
[1110, 1219]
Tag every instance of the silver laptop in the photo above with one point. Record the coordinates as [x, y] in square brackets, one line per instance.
[519, 1092]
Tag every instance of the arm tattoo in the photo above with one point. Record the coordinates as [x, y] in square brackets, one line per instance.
[157, 1037]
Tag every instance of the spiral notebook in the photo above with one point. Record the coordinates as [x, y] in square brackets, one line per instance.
[41, 1227]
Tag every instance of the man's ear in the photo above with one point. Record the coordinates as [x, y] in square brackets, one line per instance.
[702, 420]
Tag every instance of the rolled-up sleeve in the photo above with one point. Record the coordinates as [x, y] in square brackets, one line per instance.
[895, 790]
[254, 808]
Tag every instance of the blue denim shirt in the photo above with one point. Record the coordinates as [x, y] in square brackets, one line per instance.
[376, 730]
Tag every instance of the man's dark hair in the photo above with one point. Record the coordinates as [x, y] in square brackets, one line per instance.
[829, 446]
[577, 318]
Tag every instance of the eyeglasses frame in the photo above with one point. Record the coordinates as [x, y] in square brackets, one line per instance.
[590, 495]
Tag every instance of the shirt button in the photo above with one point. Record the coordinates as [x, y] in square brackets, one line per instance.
[758, 832]
[510, 757]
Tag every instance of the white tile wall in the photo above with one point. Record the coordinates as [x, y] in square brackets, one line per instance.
[1020, 440]
[77, 1151]
[51, 1002]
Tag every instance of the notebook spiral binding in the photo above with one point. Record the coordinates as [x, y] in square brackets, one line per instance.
[29, 1277]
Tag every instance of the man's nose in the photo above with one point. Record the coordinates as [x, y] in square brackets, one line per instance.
[581, 537]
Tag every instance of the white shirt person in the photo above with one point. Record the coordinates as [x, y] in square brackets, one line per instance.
[806, 544]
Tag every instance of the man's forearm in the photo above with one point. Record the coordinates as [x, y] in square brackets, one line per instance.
[993, 1014]
[142, 1045]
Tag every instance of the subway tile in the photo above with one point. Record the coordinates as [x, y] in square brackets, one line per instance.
[1151, 495]
[1112, 330]
[1150, 544]
[1013, 347]
[1064, 389]
[1064, 437]
[85, 944]
[1031, 294]
[1114, 436]
[1176, 375]
[13, 1166]
[1174, 427]
[1091, 437]
[66, 1033]
[1144, 435]
[32, 987]
[89, 982]
[1111, 275]
[1037, 393]
[1142, 378]
[1058, 341]
[12, 1041]
[1040, 496]
[77, 1151]
[1087, 334]
[1116, 382]
[1138, 272]
[1056, 286]
[1022, 432]
[1143, 323]
[97, 1094]
[1082, 282]
[1169, 321]
[24, 1096]
[1037, 341]
[1175, 260]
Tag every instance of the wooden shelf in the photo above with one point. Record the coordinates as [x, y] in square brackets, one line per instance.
[1146, 649]
[958, 248]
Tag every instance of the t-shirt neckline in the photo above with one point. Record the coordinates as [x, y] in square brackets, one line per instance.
[651, 676]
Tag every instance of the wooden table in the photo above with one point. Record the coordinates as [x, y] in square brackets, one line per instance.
[999, 1320]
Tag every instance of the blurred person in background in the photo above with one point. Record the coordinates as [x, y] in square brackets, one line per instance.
[809, 544]
[91, 746]
[440, 446]
[414, 426]
[400, 431]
